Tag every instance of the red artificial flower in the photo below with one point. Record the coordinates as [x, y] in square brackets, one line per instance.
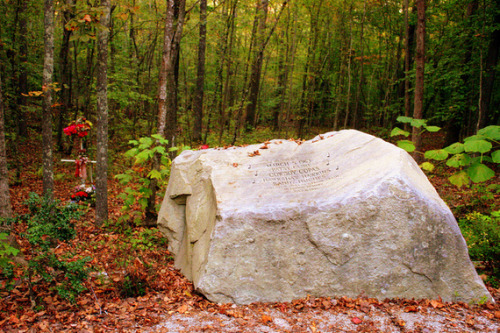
[82, 134]
[205, 146]
[70, 130]
[82, 194]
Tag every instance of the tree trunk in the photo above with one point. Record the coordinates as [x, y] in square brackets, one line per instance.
[282, 80]
[5, 206]
[349, 76]
[488, 79]
[167, 91]
[101, 212]
[356, 113]
[48, 69]
[198, 98]
[23, 71]
[419, 80]
[457, 117]
[65, 74]
[256, 69]
[409, 31]
[88, 77]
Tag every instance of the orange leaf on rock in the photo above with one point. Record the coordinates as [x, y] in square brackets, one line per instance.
[182, 309]
[436, 304]
[266, 319]
[411, 308]
[470, 321]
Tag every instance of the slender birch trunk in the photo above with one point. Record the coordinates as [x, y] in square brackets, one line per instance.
[5, 206]
[101, 214]
[48, 70]
[200, 80]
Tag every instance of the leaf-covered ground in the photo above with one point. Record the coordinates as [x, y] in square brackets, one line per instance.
[129, 261]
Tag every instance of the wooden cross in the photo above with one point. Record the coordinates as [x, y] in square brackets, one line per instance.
[83, 180]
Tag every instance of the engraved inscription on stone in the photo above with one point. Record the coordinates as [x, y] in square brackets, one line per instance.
[298, 175]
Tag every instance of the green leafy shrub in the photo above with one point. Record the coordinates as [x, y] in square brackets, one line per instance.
[50, 222]
[468, 157]
[138, 178]
[146, 239]
[482, 234]
[6, 252]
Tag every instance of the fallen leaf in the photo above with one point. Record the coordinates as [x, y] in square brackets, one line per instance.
[411, 308]
[497, 314]
[266, 319]
[356, 320]
[235, 164]
[436, 304]
[13, 319]
[182, 309]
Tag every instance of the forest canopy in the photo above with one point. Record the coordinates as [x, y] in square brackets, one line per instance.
[321, 63]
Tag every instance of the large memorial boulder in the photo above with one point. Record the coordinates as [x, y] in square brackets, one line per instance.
[344, 214]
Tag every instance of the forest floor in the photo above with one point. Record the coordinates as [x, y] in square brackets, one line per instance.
[134, 286]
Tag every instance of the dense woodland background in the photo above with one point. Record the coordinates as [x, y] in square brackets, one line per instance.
[285, 65]
[217, 73]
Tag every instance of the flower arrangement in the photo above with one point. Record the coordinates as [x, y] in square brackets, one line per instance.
[79, 127]
[83, 193]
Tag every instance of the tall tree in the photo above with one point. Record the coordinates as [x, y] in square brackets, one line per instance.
[256, 69]
[101, 214]
[23, 71]
[419, 77]
[65, 71]
[47, 88]
[167, 91]
[261, 41]
[408, 35]
[200, 80]
[5, 206]
[488, 80]
[357, 116]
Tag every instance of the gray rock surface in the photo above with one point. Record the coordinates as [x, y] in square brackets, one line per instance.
[344, 214]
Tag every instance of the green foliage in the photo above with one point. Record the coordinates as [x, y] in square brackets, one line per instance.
[482, 234]
[49, 223]
[146, 239]
[67, 275]
[468, 157]
[6, 252]
[138, 178]
[132, 286]
[418, 123]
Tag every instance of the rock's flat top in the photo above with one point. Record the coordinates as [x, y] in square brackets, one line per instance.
[290, 172]
[342, 214]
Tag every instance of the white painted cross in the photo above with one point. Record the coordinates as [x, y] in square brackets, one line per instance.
[88, 161]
